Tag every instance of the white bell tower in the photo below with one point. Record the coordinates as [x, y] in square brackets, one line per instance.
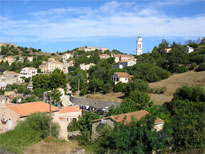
[139, 46]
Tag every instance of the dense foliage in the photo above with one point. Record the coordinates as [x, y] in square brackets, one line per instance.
[148, 72]
[57, 79]
[136, 137]
[187, 118]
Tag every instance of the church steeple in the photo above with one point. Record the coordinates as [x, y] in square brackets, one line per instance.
[139, 46]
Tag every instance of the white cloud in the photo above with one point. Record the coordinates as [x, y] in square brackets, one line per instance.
[122, 21]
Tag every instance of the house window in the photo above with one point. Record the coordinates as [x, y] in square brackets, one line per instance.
[126, 79]
[117, 79]
[74, 119]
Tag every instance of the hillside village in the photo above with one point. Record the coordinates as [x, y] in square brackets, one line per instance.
[30, 80]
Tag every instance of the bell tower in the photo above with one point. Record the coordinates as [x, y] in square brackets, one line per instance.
[139, 46]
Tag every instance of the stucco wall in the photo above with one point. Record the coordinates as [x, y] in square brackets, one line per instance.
[92, 102]
[9, 114]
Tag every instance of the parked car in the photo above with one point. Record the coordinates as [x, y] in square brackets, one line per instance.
[82, 107]
[100, 111]
[91, 108]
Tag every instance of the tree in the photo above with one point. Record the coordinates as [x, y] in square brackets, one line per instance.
[136, 137]
[95, 85]
[55, 97]
[137, 84]
[187, 118]
[201, 67]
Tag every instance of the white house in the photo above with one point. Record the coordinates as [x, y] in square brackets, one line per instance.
[27, 72]
[122, 57]
[86, 67]
[189, 49]
[123, 64]
[168, 50]
[121, 77]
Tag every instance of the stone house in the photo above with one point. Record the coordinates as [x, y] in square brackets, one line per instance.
[67, 56]
[104, 49]
[8, 77]
[65, 116]
[86, 67]
[52, 64]
[121, 77]
[27, 72]
[30, 58]
[125, 118]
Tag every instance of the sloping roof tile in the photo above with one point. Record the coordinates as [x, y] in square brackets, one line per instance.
[70, 109]
[127, 117]
[29, 108]
[122, 74]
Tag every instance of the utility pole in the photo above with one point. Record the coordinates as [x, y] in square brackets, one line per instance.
[49, 100]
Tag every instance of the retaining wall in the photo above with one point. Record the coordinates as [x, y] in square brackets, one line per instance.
[92, 102]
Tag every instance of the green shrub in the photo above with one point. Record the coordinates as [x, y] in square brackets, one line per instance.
[181, 69]
[119, 87]
[138, 84]
[148, 72]
[192, 66]
[83, 91]
[158, 90]
[201, 67]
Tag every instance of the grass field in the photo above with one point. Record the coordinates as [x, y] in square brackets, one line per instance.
[190, 78]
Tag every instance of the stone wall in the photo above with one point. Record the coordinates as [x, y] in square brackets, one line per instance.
[92, 102]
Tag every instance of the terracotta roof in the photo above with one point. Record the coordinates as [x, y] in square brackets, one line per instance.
[29, 108]
[128, 117]
[122, 74]
[70, 109]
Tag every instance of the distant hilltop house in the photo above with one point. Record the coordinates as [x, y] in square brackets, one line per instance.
[30, 58]
[168, 50]
[121, 77]
[104, 56]
[9, 59]
[63, 116]
[8, 77]
[27, 72]
[122, 57]
[86, 66]
[67, 56]
[123, 64]
[189, 49]
[88, 49]
[126, 118]
[52, 64]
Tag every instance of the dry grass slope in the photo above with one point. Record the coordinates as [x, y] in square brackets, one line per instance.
[190, 78]
[54, 146]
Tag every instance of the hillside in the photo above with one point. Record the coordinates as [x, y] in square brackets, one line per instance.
[175, 81]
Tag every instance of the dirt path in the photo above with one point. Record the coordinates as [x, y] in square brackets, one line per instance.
[190, 78]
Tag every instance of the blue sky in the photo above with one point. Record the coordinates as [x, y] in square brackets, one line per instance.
[59, 25]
